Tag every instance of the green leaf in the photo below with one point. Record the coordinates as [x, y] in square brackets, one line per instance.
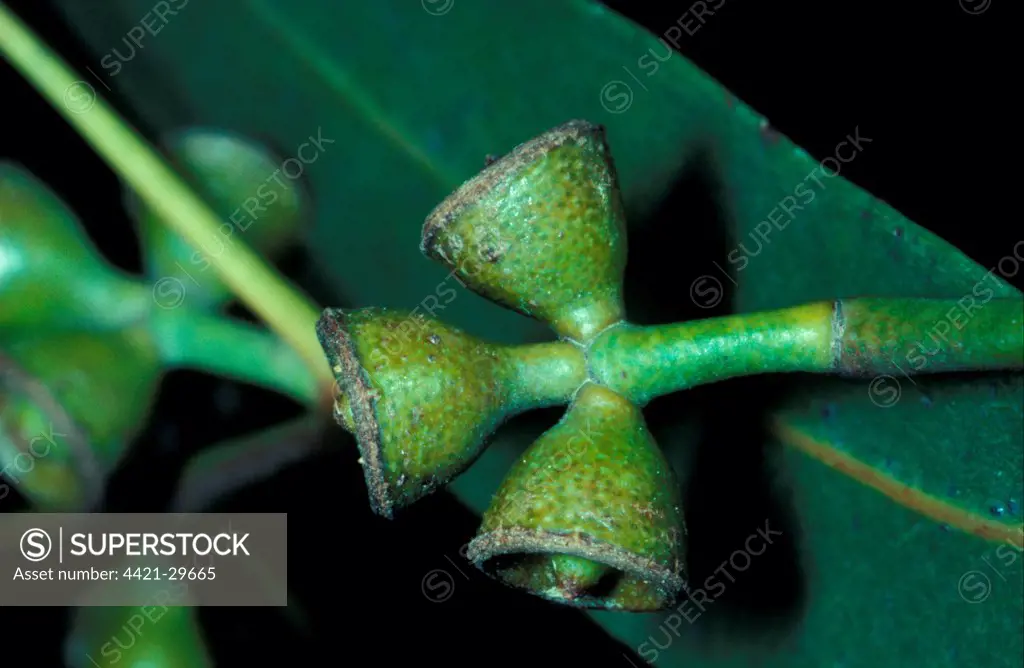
[401, 106]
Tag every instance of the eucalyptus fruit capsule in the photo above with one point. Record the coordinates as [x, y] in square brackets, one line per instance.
[591, 515]
[421, 396]
[542, 231]
[70, 402]
[50, 272]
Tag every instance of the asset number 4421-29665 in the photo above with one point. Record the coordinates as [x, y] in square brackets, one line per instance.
[175, 573]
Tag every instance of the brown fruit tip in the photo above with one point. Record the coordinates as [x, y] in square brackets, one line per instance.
[332, 331]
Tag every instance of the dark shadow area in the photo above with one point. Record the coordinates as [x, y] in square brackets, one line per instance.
[404, 587]
[731, 493]
[671, 273]
[146, 479]
[744, 532]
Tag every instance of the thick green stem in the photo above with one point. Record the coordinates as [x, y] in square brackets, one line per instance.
[919, 336]
[232, 348]
[856, 337]
[543, 374]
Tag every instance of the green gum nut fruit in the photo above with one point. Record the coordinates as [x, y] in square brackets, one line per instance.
[246, 185]
[590, 516]
[542, 231]
[421, 396]
[69, 404]
[50, 272]
[164, 633]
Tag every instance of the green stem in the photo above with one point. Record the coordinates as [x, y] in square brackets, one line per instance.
[928, 335]
[855, 337]
[543, 374]
[247, 353]
[250, 278]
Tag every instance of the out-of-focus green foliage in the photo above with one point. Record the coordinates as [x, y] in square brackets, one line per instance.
[72, 403]
[84, 348]
[164, 633]
[50, 273]
[246, 184]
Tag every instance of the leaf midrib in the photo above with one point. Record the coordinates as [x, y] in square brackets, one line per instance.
[346, 87]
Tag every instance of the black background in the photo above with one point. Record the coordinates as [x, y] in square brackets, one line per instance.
[928, 84]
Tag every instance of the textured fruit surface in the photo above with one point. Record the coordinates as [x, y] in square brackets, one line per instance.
[421, 396]
[595, 487]
[541, 231]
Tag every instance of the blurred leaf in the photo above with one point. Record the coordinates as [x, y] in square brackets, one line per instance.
[406, 104]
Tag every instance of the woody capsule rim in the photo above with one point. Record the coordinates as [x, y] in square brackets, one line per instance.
[480, 185]
[501, 542]
[353, 381]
